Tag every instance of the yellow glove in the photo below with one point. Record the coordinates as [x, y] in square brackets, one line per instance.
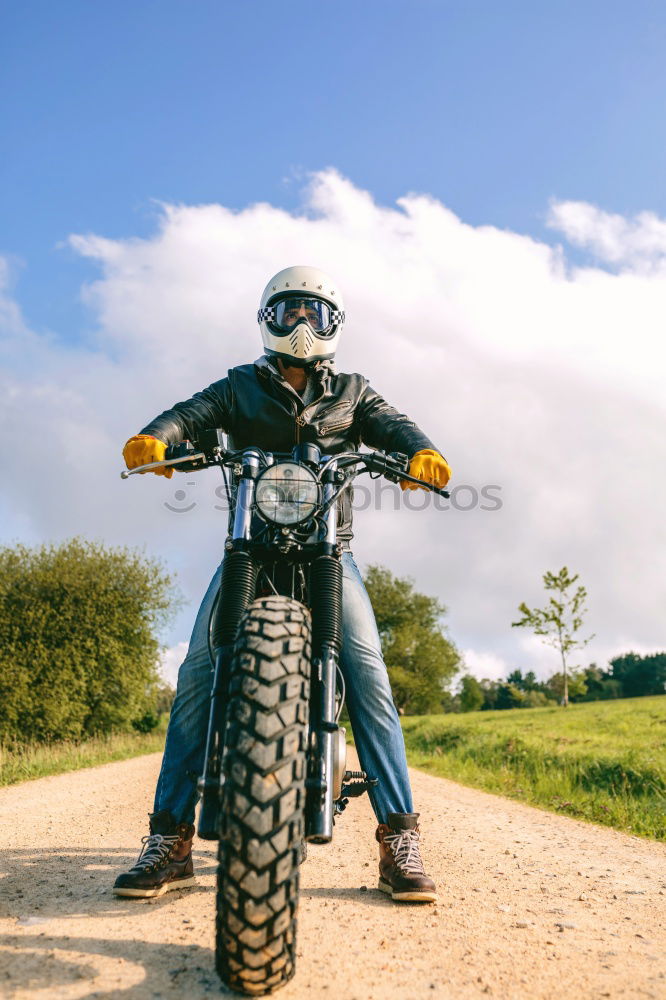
[429, 466]
[142, 449]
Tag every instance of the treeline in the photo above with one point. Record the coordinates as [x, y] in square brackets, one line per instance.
[627, 676]
[79, 650]
[420, 656]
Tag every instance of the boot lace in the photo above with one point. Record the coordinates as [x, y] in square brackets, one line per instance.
[156, 850]
[404, 846]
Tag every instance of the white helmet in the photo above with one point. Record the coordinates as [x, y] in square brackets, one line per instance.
[301, 315]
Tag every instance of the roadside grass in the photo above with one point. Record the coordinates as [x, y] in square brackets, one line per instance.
[604, 762]
[23, 762]
[599, 761]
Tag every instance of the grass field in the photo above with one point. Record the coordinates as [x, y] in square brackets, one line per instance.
[37, 760]
[599, 761]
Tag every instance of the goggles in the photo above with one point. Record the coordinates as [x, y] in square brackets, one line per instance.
[284, 315]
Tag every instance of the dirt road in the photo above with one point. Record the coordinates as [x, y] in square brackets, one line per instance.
[531, 905]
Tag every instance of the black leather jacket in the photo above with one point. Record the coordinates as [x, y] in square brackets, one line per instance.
[254, 405]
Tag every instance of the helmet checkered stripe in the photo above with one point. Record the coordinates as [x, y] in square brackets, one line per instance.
[267, 315]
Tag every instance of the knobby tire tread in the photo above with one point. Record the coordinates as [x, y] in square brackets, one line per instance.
[263, 797]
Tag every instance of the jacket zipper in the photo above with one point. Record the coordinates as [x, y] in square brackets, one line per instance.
[341, 425]
[299, 420]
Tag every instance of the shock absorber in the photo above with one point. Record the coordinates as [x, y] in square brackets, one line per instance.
[326, 596]
[326, 603]
[239, 576]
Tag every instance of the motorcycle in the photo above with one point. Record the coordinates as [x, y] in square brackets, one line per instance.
[275, 774]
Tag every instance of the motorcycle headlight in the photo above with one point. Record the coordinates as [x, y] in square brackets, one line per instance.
[287, 493]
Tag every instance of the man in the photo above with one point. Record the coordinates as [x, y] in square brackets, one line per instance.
[291, 394]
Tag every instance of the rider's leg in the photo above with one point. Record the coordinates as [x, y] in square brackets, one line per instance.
[374, 718]
[185, 745]
[165, 861]
[380, 745]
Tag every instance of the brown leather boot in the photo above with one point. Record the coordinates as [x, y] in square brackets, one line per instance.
[165, 861]
[401, 871]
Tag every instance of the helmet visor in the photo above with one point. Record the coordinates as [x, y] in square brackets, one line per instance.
[293, 310]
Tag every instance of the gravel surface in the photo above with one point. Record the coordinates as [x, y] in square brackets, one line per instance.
[531, 905]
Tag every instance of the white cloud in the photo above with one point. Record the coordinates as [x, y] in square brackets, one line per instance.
[171, 661]
[638, 243]
[529, 373]
[485, 665]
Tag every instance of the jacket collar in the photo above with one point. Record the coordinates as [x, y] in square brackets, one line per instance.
[268, 368]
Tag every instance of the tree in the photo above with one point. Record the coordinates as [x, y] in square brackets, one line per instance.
[471, 694]
[560, 621]
[537, 699]
[489, 689]
[78, 642]
[526, 683]
[574, 684]
[600, 684]
[640, 675]
[164, 696]
[420, 658]
[509, 696]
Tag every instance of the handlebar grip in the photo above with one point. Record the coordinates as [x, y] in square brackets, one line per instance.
[402, 462]
[178, 450]
[209, 440]
[427, 486]
[188, 457]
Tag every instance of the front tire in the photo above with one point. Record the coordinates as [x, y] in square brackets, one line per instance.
[263, 797]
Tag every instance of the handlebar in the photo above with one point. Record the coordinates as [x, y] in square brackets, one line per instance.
[392, 465]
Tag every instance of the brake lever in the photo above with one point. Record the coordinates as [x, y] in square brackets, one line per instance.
[397, 471]
[126, 473]
[440, 491]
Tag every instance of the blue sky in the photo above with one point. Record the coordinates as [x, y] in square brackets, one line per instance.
[523, 297]
[492, 108]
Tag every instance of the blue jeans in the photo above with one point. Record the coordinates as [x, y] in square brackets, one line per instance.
[374, 719]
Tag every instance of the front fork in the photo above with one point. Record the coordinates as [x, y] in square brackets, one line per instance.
[326, 604]
[237, 589]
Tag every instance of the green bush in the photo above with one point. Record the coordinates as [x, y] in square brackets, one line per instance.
[146, 723]
[78, 643]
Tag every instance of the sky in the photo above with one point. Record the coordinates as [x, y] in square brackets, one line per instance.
[486, 183]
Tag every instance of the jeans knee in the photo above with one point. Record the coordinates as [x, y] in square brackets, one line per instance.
[195, 672]
[374, 702]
